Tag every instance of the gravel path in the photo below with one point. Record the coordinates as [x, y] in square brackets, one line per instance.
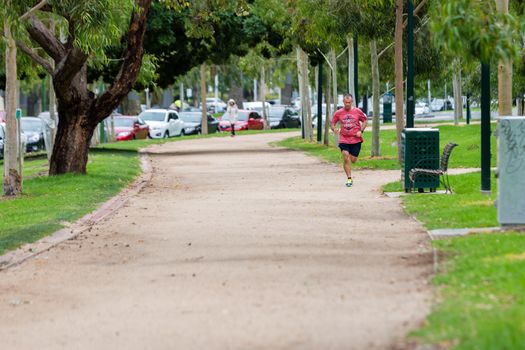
[233, 245]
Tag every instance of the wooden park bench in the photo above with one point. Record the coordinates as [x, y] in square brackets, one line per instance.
[441, 172]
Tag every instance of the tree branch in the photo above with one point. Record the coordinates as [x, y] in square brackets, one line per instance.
[45, 38]
[40, 60]
[69, 66]
[392, 43]
[130, 68]
[34, 9]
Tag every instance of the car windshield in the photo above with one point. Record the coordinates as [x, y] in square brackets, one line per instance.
[191, 117]
[153, 116]
[31, 125]
[241, 116]
[124, 122]
[1, 132]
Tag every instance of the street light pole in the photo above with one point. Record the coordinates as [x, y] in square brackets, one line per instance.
[485, 128]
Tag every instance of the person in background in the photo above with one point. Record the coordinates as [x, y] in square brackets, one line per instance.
[232, 111]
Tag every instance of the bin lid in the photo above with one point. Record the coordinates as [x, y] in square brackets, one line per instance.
[419, 129]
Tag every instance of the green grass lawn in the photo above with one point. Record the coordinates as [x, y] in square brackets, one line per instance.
[465, 208]
[466, 155]
[482, 292]
[47, 202]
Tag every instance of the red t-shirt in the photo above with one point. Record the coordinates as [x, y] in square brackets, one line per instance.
[350, 124]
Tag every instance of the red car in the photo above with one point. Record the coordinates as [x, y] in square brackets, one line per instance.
[130, 128]
[246, 120]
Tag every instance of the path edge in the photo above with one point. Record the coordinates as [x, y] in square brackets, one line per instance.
[31, 250]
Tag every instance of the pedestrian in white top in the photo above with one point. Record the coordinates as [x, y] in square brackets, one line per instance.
[232, 112]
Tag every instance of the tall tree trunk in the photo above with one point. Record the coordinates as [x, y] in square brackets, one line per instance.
[286, 92]
[376, 152]
[263, 98]
[351, 58]
[301, 93]
[302, 62]
[12, 173]
[328, 98]
[33, 102]
[333, 63]
[236, 90]
[504, 73]
[74, 133]
[204, 85]
[131, 104]
[306, 88]
[458, 98]
[400, 111]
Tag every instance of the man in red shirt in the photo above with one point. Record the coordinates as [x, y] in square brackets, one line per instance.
[352, 124]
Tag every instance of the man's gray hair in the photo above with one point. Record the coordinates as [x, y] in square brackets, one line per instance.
[348, 95]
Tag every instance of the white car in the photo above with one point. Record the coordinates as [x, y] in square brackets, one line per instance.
[216, 104]
[163, 123]
[2, 140]
[421, 108]
[256, 106]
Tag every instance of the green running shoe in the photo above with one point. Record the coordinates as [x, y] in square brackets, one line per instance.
[349, 182]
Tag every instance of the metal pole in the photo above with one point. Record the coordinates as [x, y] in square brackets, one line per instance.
[410, 64]
[468, 108]
[356, 71]
[485, 128]
[320, 105]
[429, 96]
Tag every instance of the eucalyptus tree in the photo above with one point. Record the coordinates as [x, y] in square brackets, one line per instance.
[90, 27]
[481, 30]
[12, 172]
[316, 30]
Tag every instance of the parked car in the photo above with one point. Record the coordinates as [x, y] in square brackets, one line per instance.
[46, 117]
[255, 106]
[215, 104]
[2, 140]
[439, 104]
[283, 117]
[421, 108]
[246, 120]
[34, 129]
[323, 108]
[163, 123]
[193, 120]
[130, 128]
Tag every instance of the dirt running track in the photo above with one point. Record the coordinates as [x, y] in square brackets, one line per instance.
[233, 245]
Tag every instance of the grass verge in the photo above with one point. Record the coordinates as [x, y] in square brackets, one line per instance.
[48, 202]
[467, 155]
[483, 294]
[465, 208]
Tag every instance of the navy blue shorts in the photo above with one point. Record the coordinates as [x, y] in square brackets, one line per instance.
[353, 148]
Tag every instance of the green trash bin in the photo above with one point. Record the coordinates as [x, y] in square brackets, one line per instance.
[387, 107]
[419, 149]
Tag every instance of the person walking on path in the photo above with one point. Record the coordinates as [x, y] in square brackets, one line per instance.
[352, 124]
[232, 111]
